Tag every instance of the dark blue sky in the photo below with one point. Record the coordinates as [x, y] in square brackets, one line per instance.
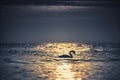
[29, 22]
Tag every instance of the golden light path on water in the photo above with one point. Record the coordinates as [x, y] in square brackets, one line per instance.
[62, 71]
[48, 68]
[65, 72]
[37, 66]
[62, 48]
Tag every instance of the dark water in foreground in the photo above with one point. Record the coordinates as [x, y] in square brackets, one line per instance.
[26, 62]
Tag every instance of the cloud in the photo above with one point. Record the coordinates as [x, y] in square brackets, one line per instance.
[58, 8]
[61, 2]
[46, 8]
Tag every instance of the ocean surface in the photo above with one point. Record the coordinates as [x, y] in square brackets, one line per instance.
[32, 61]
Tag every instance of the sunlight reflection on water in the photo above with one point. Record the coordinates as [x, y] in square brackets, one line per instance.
[61, 48]
[17, 65]
[62, 70]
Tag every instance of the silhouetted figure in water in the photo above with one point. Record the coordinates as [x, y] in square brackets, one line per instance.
[68, 56]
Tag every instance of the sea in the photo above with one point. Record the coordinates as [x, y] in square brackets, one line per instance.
[40, 61]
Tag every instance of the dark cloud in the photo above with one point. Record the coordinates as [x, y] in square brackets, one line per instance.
[62, 2]
[59, 21]
[59, 24]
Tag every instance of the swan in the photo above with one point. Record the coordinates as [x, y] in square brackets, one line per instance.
[68, 56]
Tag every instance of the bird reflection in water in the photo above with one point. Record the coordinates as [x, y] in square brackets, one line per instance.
[62, 71]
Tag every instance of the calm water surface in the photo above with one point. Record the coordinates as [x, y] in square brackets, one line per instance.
[41, 62]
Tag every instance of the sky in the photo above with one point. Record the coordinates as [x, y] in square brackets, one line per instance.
[59, 21]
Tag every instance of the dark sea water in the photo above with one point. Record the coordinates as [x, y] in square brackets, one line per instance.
[28, 61]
